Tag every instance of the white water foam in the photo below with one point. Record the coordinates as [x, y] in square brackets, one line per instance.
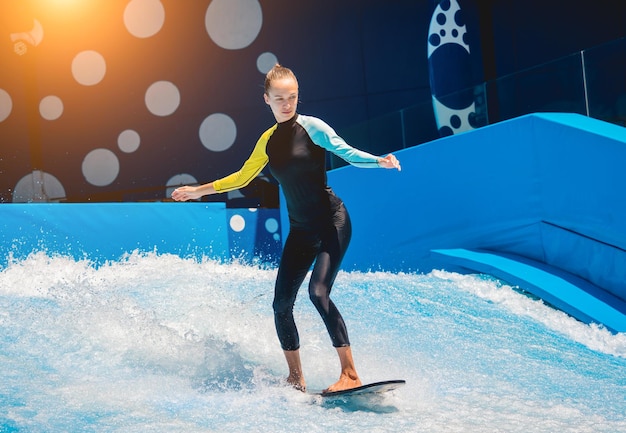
[156, 343]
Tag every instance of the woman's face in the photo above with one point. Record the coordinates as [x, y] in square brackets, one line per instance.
[282, 97]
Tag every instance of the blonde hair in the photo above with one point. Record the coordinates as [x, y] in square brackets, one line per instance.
[278, 72]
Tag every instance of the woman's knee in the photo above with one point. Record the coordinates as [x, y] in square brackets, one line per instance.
[319, 294]
[282, 305]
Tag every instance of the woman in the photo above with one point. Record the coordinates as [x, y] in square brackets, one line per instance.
[320, 227]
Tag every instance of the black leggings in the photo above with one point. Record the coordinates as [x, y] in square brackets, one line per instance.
[325, 247]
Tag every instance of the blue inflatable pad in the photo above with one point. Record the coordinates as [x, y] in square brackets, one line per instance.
[575, 296]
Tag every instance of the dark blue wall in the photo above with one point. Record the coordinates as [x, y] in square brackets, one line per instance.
[530, 32]
[357, 60]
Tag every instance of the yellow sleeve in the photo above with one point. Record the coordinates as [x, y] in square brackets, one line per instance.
[251, 168]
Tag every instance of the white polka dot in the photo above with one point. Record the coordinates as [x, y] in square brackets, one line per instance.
[179, 180]
[218, 132]
[447, 31]
[271, 225]
[233, 24]
[101, 167]
[144, 18]
[6, 105]
[162, 98]
[38, 187]
[265, 62]
[237, 223]
[128, 141]
[51, 107]
[88, 68]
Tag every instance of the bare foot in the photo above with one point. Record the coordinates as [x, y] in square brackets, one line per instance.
[295, 378]
[348, 377]
[297, 382]
[346, 381]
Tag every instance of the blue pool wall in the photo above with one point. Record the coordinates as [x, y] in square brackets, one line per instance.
[101, 232]
[545, 187]
[542, 188]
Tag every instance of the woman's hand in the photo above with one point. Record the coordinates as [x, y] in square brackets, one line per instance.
[390, 161]
[185, 193]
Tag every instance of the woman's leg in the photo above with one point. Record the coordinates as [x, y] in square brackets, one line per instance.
[296, 377]
[335, 242]
[297, 257]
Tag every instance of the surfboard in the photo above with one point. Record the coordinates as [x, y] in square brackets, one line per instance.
[370, 388]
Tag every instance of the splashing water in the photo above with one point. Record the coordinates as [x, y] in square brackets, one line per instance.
[156, 343]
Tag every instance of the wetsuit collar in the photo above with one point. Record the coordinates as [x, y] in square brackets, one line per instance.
[290, 121]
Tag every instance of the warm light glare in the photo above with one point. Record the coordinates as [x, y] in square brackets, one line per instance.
[67, 7]
[66, 3]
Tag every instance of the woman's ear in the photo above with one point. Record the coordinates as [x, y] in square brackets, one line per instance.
[267, 99]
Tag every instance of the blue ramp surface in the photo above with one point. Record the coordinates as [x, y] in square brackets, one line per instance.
[567, 292]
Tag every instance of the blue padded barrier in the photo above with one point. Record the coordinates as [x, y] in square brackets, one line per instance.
[547, 187]
[107, 231]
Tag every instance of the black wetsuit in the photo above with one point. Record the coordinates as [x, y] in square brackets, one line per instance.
[320, 227]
